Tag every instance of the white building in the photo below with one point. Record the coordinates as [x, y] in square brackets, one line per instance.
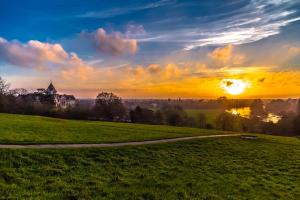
[61, 100]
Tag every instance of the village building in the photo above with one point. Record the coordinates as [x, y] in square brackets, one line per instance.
[62, 101]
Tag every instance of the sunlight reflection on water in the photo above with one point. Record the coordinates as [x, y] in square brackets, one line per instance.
[272, 118]
[245, 112]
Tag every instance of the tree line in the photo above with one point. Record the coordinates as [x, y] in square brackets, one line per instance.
[110, 107]
[107, 107]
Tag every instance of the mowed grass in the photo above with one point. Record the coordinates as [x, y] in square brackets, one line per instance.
[211, 115]
[16, 129]
[219, 168]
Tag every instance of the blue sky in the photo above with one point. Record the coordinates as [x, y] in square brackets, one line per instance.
[110, 37]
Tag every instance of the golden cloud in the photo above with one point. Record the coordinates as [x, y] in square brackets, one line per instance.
[224, 56]
[191, 81]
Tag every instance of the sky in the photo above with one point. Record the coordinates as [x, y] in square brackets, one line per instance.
[153, 49]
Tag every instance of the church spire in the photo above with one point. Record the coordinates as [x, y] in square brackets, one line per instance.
[51, 89]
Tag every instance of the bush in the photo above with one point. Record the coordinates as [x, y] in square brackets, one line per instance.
[142, 115]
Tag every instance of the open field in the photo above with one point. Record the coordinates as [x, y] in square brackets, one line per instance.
[211, 114]
[207, 168]
[17, 129]
[220, 168]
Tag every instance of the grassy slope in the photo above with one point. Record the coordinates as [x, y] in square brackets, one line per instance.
[223, 168]
[35, 129]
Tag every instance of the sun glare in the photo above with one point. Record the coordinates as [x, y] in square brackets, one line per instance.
[234, 86]
[234, 112]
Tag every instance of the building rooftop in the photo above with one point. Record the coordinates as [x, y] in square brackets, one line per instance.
[51, 89]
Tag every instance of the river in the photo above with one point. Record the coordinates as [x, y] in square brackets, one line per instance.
[245, 112]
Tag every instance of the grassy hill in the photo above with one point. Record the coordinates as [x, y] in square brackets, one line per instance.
[36, 129]
[220, 168]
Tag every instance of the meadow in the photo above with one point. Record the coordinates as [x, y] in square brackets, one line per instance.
[26, 129]
[210, 114]
[215, 168]
[220, 168]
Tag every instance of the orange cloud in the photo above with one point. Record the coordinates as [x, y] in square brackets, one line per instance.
[226, 56]
[170, 80]
[50, 52]
[80, 72]
[222, 54]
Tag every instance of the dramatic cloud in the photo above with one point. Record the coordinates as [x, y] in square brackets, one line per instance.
[114, 44]
[38, 55]
[181, 53]
[33, 54]
[256, 20]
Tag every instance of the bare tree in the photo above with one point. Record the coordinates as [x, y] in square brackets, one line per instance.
[18, 92]
[3, 86]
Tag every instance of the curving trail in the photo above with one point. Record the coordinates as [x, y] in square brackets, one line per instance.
[120, 144]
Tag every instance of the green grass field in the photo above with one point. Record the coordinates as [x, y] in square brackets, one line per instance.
[218, 168]
[36, 129]
[222, 168]
[211, 114]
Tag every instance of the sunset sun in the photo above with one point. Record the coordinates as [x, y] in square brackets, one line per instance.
[234, 86]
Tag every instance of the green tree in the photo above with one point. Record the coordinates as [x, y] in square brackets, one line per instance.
[257, 108]
[109, 106]
[229, 122]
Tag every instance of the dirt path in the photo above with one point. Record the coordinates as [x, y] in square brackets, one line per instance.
[120, 144]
